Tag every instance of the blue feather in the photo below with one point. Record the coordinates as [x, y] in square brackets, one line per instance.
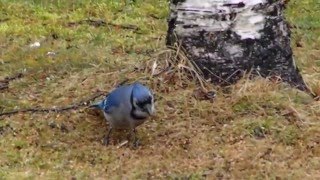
[112, 99]
[140, 92]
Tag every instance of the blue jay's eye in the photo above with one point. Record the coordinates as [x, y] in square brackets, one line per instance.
[149, 100]
[142, 103]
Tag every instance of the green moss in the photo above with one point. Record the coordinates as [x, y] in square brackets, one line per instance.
[260, 128]
[288, 135]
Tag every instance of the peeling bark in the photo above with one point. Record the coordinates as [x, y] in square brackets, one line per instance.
[227, 38]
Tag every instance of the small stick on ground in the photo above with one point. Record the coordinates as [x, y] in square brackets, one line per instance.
[4, 84]
[75, 106]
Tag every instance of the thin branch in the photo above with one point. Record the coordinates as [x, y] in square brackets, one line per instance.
[83, 103]
[57, 110]
[99, 23]
[4, 84]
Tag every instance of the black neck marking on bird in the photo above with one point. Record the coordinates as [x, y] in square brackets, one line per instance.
[133, 109]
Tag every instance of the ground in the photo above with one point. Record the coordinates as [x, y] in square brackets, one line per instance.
[254, 129]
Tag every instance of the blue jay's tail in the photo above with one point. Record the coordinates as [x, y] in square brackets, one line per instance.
[96, 105]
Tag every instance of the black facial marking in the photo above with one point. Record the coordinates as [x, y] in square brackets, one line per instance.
[133, 108]
[142, 103]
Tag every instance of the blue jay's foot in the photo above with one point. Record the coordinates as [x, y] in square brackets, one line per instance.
[136, 143]
[106, 139]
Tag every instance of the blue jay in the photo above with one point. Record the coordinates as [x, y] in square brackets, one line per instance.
[126, 107]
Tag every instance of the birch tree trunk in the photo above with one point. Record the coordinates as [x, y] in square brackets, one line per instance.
[226, 38]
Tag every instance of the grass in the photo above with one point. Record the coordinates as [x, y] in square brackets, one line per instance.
[254, 129]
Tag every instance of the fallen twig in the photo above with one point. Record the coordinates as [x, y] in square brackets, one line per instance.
[58, 109]
[122, 144]
[84, 103]
[4, 84]
[99, 22]
[4, 20]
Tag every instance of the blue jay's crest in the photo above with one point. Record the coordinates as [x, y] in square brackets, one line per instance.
[141, 93]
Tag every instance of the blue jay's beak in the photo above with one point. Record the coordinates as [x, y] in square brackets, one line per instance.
[149, 110]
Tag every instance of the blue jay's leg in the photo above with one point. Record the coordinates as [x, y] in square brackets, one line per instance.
[107, 136]
[133, 135]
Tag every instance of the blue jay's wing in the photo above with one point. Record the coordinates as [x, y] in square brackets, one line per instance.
[116, 97]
